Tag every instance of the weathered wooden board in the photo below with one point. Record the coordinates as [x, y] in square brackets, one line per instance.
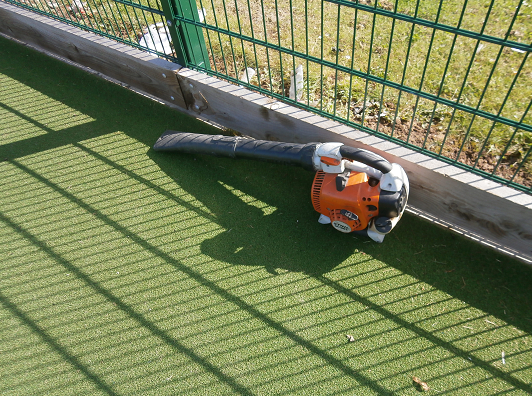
[486, 211]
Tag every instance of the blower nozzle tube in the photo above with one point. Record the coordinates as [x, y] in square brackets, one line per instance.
[238, 147]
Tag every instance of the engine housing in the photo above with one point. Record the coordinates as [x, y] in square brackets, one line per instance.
[350, 199]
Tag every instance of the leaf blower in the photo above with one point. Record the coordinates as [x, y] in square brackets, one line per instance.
[354, 190]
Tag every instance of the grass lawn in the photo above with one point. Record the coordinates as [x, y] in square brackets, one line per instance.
[124, 271]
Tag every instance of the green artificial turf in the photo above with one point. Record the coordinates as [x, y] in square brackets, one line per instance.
[125, 271]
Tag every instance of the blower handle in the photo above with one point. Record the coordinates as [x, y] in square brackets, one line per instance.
[366, 157]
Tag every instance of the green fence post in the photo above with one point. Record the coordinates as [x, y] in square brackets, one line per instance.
[187, 38]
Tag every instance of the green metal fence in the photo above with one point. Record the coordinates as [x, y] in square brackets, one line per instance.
[451, 78]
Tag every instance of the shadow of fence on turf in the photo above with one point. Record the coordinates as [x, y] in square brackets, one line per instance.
[157, 274]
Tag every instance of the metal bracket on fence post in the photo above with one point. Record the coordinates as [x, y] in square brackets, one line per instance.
[187, 38]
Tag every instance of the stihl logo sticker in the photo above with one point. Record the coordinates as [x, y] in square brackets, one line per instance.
[341, 226]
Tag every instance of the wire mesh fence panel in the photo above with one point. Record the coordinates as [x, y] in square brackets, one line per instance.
[450, 78]
[141, 24]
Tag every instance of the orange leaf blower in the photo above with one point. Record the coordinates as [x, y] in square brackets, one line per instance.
[354, 190]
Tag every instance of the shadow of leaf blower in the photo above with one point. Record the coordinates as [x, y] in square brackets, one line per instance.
[354, 190]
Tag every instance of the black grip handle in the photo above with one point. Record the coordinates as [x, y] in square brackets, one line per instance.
[366, 157]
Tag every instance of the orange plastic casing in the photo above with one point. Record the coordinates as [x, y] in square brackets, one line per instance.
[356, 196]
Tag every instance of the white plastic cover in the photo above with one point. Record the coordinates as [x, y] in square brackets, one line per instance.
[395, 179]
